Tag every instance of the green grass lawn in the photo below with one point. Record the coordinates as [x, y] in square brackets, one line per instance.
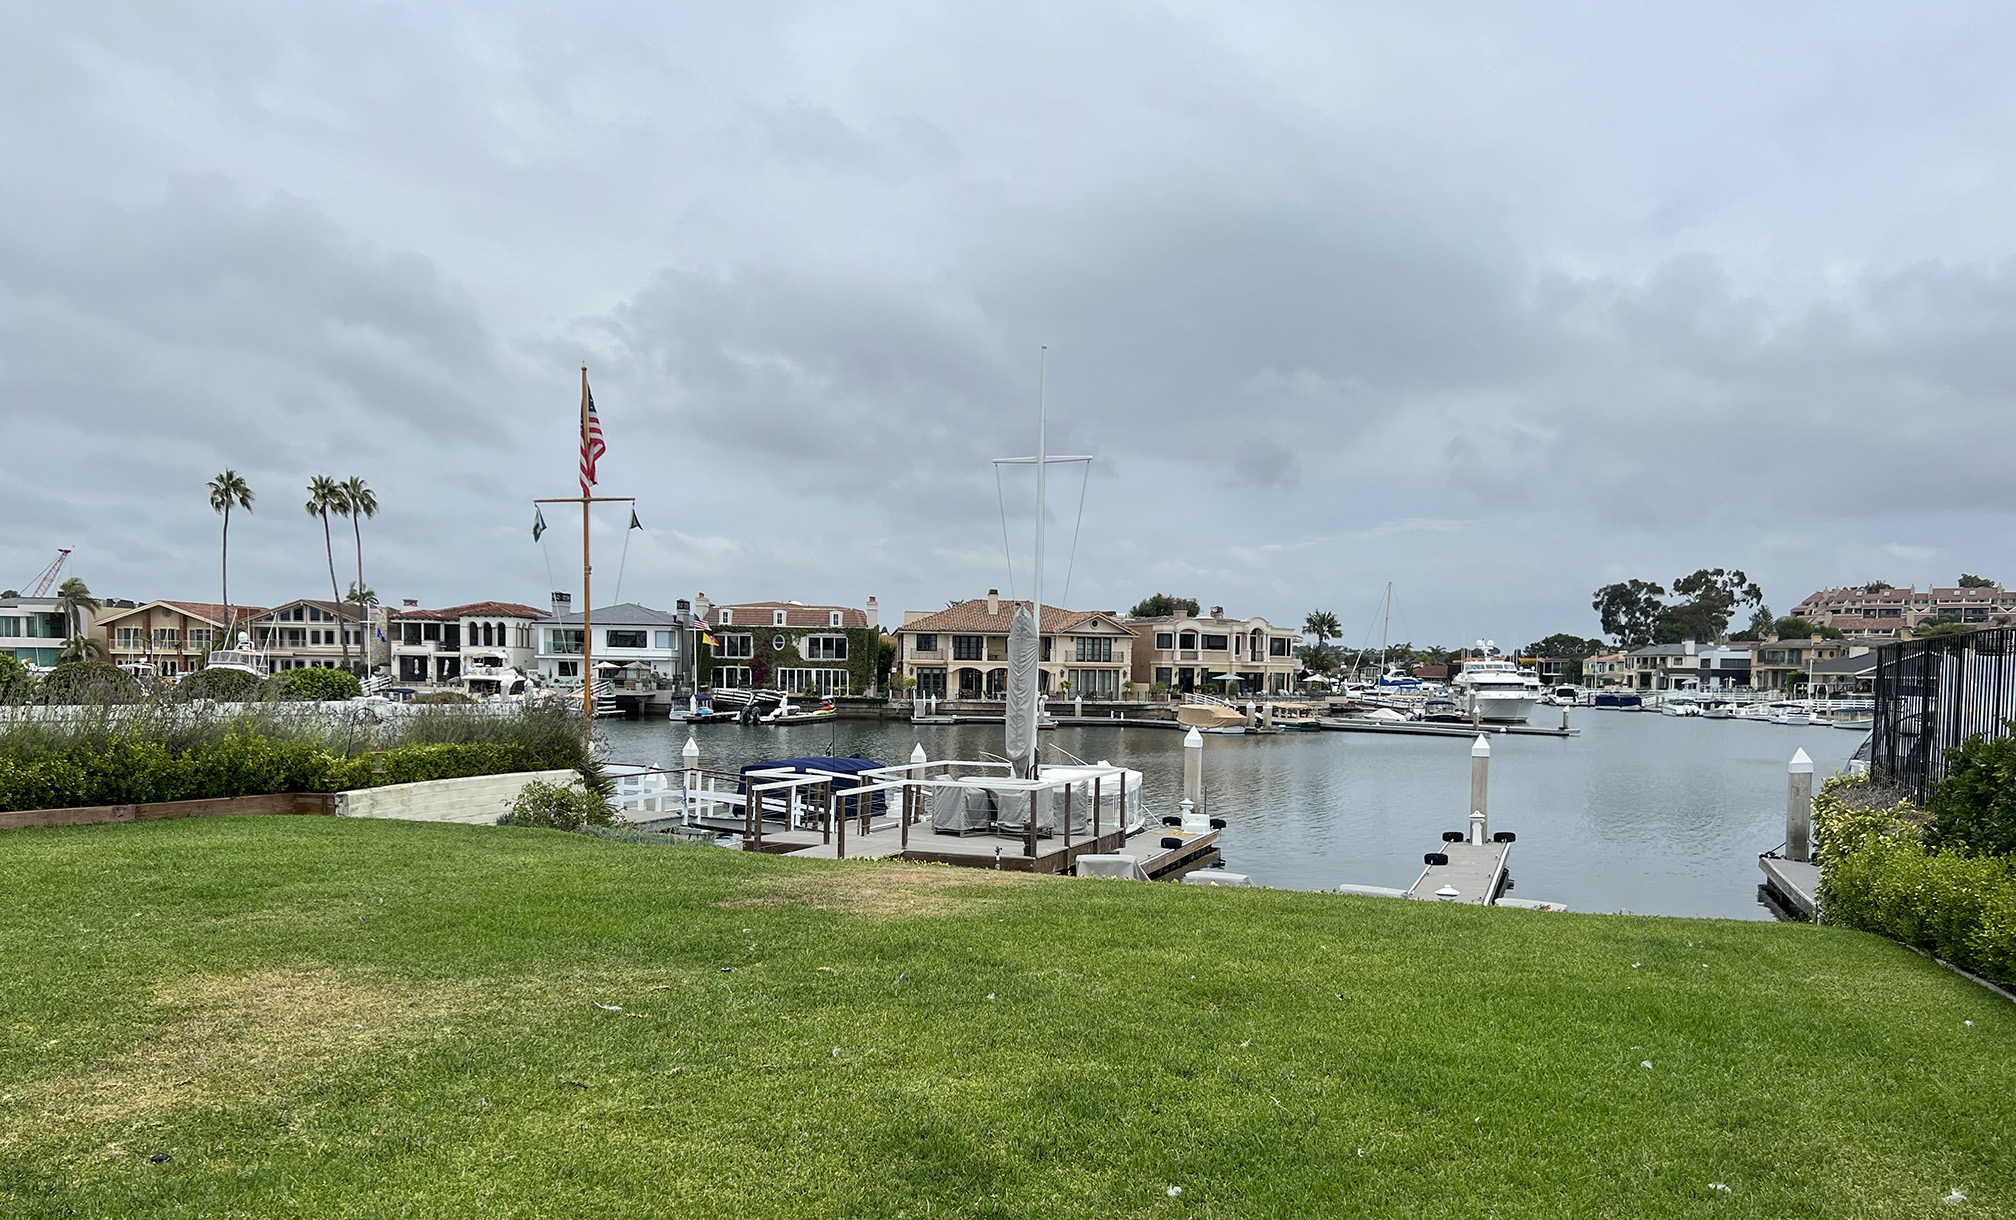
[318, 1018]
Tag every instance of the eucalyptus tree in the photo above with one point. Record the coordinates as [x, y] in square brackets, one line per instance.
[226, 490]
[325, 496]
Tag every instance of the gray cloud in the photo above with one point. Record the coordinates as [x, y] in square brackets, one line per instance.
[1678, 292]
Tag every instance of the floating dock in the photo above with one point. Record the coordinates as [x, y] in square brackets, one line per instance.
[1472, 873]
[1433, 728]
[1794, 884]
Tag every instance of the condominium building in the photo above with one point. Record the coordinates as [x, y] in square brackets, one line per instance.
[962, 652]
[1892, 613]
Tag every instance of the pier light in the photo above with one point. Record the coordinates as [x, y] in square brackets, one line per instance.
[1448, 893]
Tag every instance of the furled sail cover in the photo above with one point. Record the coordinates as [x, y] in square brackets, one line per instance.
[1021, 690]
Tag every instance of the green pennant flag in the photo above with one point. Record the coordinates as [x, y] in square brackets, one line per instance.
[538, 522]
[635, 524]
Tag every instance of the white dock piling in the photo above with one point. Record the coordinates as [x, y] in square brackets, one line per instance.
[1480, 790]
[1267, 715]
[1193, 769]
[689, 758]
[917, 754]
[1799, 808]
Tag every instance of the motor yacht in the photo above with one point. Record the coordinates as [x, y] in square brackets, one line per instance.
[1494, 688]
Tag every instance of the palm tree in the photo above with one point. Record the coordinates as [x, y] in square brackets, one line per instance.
[360, 502]
[325, 496]
[71, 596]
[1323, 625]
[81, 648]
[227, 489]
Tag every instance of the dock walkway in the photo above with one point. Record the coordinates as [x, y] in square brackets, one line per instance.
[1476, 871]
[1795, 883]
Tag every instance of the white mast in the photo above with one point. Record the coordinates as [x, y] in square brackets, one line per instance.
[1042, 461]
[1042, 471]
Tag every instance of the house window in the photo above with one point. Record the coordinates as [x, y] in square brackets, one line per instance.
[627, 639]
[1188, 640]
[930, 682]
[926, 642]
[777, 618]
[166, 637]
[826, 648]
[724, 617]
[969, 647]
[1214, 643]
[430, 631]
[737, 647]
[1095, 650]
[1094, 683]
[777, 642]
[132, 639]
[731, 676]
[833, 619]
[812, 681]
[664, 640]
[1163, 675]
[1165, 640]
[561, 669]
[1277, 646]
[563, 640]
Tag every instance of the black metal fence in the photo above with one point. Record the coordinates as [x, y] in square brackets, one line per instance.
[1932, 695]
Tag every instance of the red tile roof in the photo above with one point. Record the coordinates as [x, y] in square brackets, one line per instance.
[972, 616]
[475, 610]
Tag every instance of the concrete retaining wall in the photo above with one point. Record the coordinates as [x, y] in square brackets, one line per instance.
[474, 799]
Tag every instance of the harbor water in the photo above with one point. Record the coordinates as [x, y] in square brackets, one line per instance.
[1639, 812]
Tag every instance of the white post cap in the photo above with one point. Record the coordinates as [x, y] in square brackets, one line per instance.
[692, 749]
[1801, 765]
[1482, 749]
[1193, 740]
[917, 753]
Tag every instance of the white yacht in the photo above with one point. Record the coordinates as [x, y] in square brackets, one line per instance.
[245, 658]
[1495, 688]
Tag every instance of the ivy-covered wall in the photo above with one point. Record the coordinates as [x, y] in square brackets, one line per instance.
[863, 646]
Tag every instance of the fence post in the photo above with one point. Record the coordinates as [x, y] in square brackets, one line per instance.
[690, 781]
[1098, 802]
[833, 812]
[1799, 808]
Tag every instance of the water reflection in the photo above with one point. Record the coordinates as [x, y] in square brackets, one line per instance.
[1641, 812]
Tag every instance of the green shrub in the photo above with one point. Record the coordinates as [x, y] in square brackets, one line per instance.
[558, 807]
[16, 683]
[315, 683]
[1878, 873]
[219, 685]
[1974, 807]
[91, 682]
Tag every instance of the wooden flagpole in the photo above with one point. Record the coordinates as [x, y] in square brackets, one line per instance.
[587, 596]
[585, 499]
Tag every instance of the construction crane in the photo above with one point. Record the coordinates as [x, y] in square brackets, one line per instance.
[50, 573]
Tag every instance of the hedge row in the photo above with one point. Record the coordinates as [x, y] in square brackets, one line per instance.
[1878, 874]
[134, 770]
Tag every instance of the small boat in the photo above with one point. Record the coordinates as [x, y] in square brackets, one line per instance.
[1677, 708]
[786, 714]
[1494, 687]
[1212, 718]
[1716, 711]
[1860, 724]
[1443, 711]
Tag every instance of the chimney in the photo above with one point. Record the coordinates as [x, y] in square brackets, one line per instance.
[1687, 646]
[993, 601]
[874, 612]
[563, 604]
[1217, 612]
[409, 603]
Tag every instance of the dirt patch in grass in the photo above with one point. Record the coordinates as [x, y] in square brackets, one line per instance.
[885, 889]
[230, 1038]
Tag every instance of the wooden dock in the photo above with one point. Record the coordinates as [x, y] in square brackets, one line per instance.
[1476, 871]
[1150, 848]
[1795, 884]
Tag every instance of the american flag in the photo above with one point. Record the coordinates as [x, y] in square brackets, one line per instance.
[591, 441]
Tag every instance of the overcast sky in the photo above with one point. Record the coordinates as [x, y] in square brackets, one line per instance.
[1498, 303]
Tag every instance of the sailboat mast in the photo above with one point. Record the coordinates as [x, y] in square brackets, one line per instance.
[1386, 630]
[1042, 471]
